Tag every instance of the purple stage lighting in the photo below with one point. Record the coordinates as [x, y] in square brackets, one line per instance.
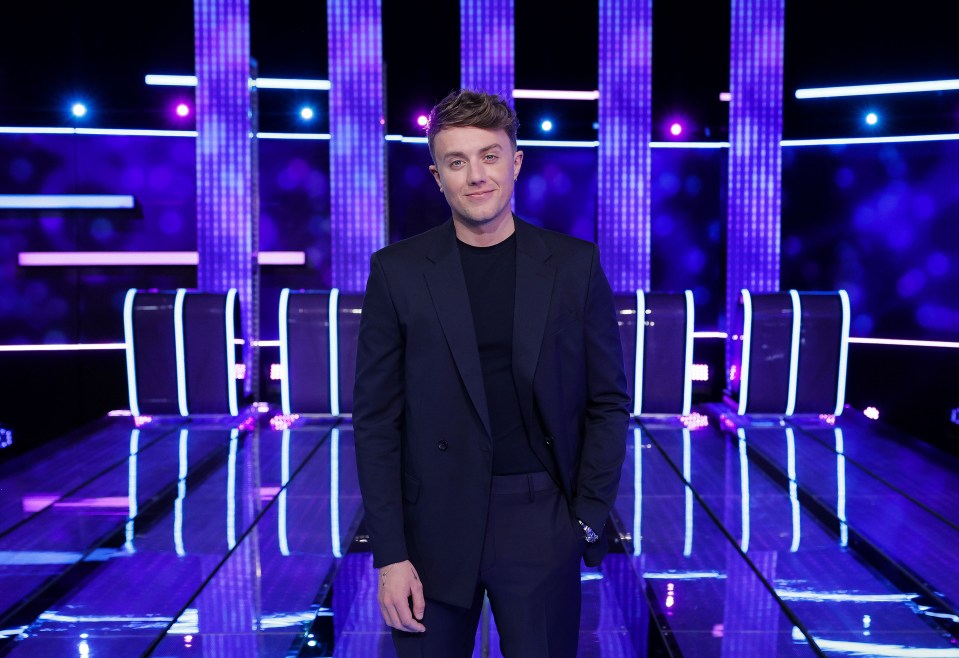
[306, 113]
[676, 129]
[422, 120]
[486, 46]
[183, 110]
[625, 124]
[872, 119]
[546, 126]
[78, 110]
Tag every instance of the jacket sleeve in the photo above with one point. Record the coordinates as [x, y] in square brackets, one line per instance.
[378, 408]
[607, 405]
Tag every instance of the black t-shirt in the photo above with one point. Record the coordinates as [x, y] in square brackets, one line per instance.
[491, 282]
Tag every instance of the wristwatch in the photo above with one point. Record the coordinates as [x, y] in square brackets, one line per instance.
[588, 533]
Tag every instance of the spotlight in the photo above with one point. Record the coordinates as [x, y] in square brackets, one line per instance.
[306, 113]
[422, 120]
[546, 126]
[871, 413]
[872, 119]
[676, 129]
[79, 110]
[183, 110]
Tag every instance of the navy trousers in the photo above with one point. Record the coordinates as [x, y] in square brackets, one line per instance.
[530, 572]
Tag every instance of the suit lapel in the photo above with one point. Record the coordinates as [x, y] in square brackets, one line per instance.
[447, 287]
[534, 289]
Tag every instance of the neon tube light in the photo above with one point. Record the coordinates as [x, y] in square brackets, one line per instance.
[308, 136]
[637, 491]
[180, 351]
[133, 508]
[556, 94]
[843, 141]
[870, 90]
[793, 488]
[640, 352]
[260, 83]
[284, 480]
[688, 367]
[284, 352]
[710, 334]
[334, 351]
[843, 354]
[140, 258]
[231, 491]
[841, 488]
[744, 488]
[267, 343]
[747, 344]
[66, 201]
[794, 353]
[231, 350]
[688, 476]
[335, 491]
[901, 342]
[181, 495]
[556, 143]
[65, 347]
[131, 360]
[689, 145]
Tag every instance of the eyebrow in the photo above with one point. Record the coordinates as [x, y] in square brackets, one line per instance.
[460, 154]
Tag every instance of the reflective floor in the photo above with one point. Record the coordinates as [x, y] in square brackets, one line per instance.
[238, 537]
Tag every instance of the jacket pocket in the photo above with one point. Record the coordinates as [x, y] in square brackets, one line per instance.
[411, 488]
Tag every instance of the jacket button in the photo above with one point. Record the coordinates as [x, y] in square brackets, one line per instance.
[549, 440]
[442, 445]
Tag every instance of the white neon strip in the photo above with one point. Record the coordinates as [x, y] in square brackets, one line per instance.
[841, 488]
[556, 94]
[66, 201]
[793, 487]
[794, 353]
[843, 597]
[843, 354]
[899, 342]
[688, 366]
[688, 476]
[689, 145]
[834, 647]
[640, 352]
[335, 491]
[871, 90]
[231, 490]
[892, 139]
[747, 343]
[637, 491]
[683, 575]
[284, 480]
[710, 334]
[334, 343]
[231, 350]
[65, 347]
[306, 136]
[130, 532]
[284, 352]
[135, 132]
[180, 496]
[261, 83]
[16, 130]
[744, 488]
[180, 351]
[128, 346]
[556, 143]
[266, 343]
[140, 258]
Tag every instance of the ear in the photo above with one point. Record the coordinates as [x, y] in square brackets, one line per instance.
[436, 176]
[517, 163]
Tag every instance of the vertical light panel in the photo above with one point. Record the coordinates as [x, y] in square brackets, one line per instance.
[486, 46]
[755, 163]
[225, 174]
[357, 139]
[625, 120]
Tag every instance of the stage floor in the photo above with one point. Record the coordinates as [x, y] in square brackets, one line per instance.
[238, 537]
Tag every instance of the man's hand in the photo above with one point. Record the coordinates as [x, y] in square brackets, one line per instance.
[399, 582]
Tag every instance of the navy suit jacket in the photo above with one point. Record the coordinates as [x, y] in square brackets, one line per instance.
[422, 430]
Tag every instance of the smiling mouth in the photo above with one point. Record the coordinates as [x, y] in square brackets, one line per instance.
[480, 195]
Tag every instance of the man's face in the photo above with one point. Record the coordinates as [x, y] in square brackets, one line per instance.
[475, 169]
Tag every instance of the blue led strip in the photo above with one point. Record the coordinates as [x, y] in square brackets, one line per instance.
[640, 352]
[334, 343]
[180, 352]
[66, 201]
[284, 351]
[231, 351]
[688, 477]
[746, 340]
[180, 494]
[841, 488]
[284, 480]
[225, 157]
[794, 352]
[129, 530]
[843, 353]
[625, 128]
[131, 358]
[486, 46]
[231, 491]
[637, 491]
[357, 126]
[744, 488]
[335, 492]
[688, 366]
[793, 488]
[754, 188]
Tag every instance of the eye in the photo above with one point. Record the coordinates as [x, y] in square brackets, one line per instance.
[490, 157]
[456, 164]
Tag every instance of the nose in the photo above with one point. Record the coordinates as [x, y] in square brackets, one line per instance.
[475, 174]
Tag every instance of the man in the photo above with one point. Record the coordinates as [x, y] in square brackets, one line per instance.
[490, 408]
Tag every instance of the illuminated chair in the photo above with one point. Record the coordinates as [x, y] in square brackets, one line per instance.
[656, 329]
[318, 336]
[791, 353]
[182, 352]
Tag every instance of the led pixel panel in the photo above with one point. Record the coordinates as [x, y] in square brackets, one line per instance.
[625, 120]
[486, 46]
